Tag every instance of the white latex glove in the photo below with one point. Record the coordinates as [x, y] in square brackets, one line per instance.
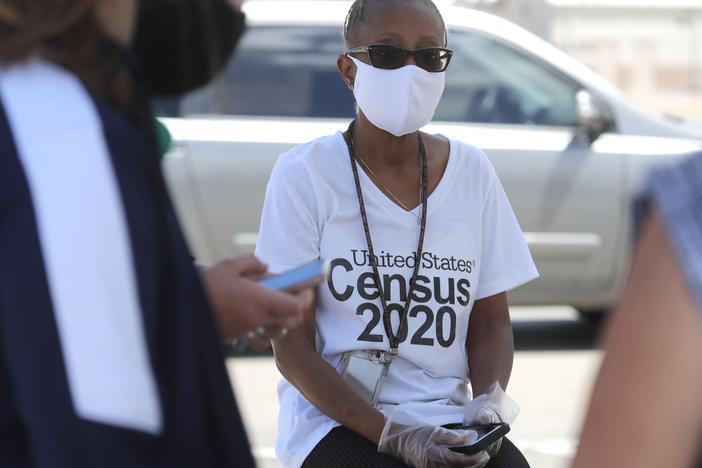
[493, 406]
[427, 446]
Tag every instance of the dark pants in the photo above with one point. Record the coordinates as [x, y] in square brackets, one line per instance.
[344, 448]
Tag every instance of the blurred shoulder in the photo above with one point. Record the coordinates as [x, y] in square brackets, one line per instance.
[676, 191]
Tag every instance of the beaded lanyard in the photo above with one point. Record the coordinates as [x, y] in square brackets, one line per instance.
[394, 339]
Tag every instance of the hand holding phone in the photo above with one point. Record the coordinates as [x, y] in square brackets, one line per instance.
[240, 308]
[487, 434]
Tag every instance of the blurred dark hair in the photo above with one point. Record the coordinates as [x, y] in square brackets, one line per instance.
[67, 33]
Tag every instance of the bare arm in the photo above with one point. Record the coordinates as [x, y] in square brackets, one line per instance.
[490, 343]
[321, 384]
[646, 407]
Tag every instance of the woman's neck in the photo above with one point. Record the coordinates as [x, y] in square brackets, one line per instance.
[380, 148]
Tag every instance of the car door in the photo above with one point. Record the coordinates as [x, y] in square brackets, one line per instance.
[568, 197]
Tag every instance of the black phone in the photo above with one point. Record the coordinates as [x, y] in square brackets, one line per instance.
[299, 278]
[487, 434]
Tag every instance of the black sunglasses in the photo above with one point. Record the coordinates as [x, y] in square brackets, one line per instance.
[387, 57]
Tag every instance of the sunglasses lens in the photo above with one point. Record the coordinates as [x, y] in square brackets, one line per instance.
[433, 60]
[387, 57]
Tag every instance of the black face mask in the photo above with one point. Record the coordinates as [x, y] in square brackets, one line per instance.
[183, 44]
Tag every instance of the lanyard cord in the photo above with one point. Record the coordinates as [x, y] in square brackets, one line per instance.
[394, 338]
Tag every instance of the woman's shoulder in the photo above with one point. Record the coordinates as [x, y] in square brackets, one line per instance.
[319, 155]
[468, 157]
[683, 178]
[676, 191]
[677, 187]
[313, 150]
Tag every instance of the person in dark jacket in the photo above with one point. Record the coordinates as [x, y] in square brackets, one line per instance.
[109, 344]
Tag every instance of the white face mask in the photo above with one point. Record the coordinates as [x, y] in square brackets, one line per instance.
[399, 101]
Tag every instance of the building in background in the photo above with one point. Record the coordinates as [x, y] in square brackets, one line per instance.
[652, 49]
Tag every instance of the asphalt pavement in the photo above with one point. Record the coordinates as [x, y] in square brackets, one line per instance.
[555, 362]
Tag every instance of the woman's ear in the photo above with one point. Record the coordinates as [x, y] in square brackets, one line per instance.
[347, 69]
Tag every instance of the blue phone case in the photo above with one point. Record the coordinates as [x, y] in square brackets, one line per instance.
[294, 277]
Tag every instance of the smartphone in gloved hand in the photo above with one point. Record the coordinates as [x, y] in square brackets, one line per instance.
[487, 434]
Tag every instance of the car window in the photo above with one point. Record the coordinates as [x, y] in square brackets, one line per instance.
[489, 82]
[279, 71]
[291, 71]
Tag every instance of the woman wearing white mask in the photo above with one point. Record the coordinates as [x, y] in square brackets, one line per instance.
[422, 245]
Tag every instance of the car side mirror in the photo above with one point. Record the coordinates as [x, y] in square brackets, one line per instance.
[594, 118]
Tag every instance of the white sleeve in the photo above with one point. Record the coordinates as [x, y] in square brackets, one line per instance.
[505, 258]
[289, 233]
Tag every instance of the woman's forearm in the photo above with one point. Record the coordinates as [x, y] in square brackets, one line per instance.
[490, 343]
[491, 361]
[322, 385]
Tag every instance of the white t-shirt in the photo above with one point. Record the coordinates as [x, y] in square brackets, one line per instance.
[473, 248]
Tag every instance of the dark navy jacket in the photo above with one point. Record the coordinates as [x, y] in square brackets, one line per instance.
[38, 424]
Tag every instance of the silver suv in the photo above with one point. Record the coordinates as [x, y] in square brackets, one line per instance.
[570, 149]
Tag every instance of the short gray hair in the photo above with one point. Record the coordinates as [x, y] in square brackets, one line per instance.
[361, 10]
